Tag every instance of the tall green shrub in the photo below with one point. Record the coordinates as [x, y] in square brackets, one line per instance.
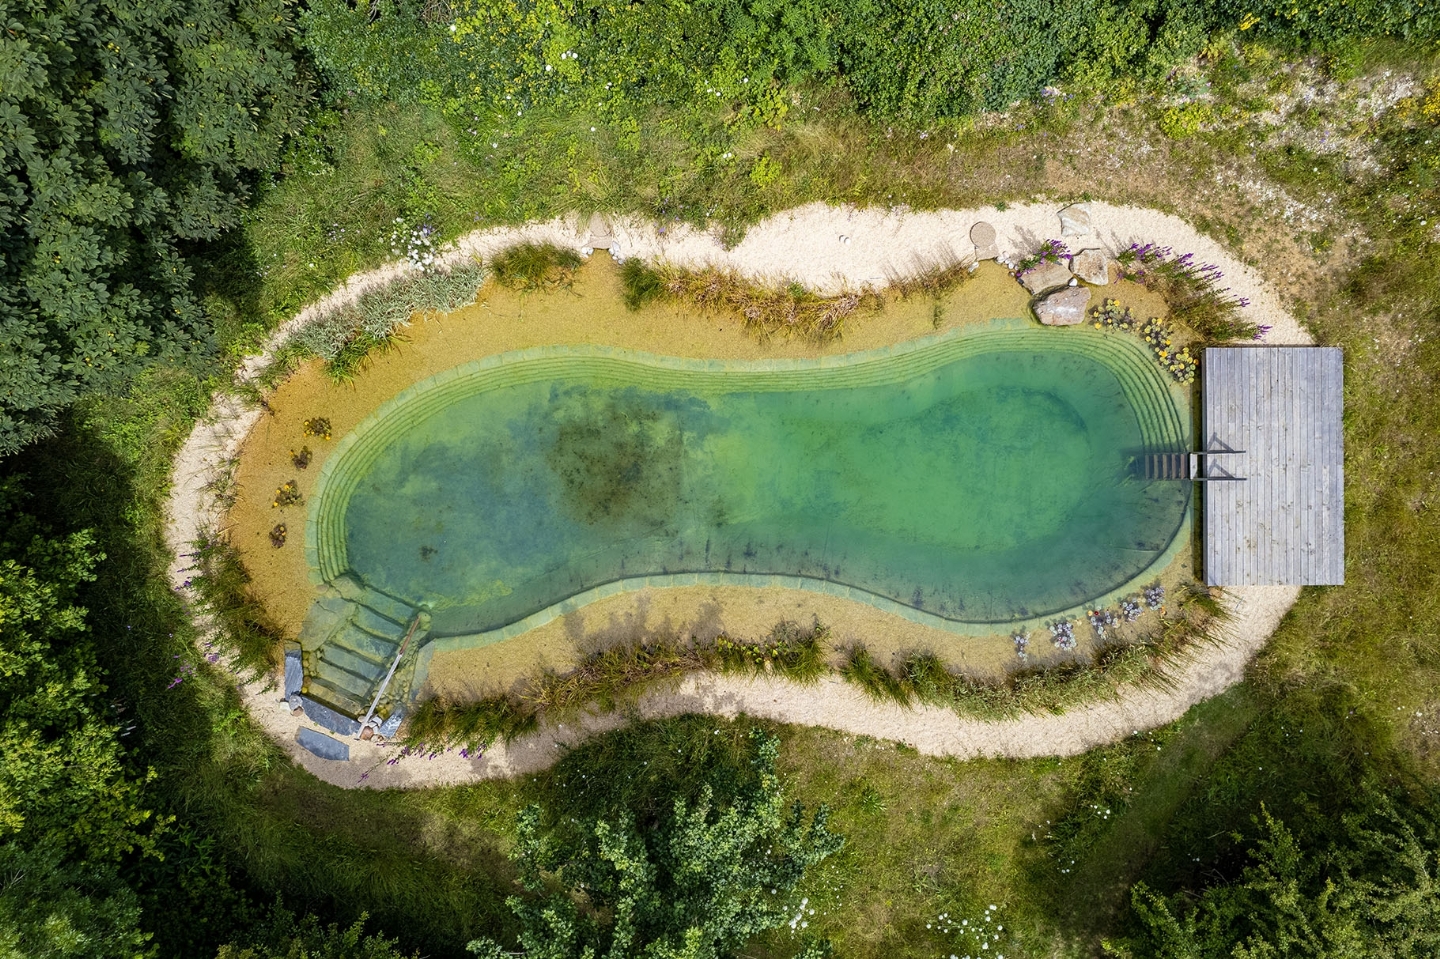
[69, 810]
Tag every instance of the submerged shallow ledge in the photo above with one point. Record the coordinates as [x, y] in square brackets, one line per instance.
[972, 481]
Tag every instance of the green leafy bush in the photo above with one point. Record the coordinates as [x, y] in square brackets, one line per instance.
[1369, 892]
[701, 881]
[70, 811]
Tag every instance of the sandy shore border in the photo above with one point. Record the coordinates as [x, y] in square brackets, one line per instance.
[827, 248]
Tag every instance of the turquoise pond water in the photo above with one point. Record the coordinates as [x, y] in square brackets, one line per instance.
[977, 479]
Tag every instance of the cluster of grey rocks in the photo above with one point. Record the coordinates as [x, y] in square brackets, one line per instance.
[1061, 287]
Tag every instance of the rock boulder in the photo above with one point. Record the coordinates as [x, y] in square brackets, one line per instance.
[1092, 266]
[1064, 307]
[1075, 220]
[982, 235]
[1045, 277]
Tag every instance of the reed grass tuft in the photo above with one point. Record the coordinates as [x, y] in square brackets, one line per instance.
[922, 677]
[934, 275]
[785, 309]
[532, 267]
[610, 678]
[346, 336]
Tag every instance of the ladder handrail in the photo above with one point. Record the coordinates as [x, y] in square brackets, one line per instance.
[374, 703]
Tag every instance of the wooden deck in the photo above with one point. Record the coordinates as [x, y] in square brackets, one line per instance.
[1280, 408]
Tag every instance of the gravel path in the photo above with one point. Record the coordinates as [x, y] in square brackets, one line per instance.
[827, 248]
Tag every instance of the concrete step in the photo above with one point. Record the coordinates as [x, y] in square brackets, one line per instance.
[350, 661]
[356, 687]
[362, 642]
[336, 699]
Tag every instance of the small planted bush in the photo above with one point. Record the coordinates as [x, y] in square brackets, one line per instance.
[287, 494]
[319, 427]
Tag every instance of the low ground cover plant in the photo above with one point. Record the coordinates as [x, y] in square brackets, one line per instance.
[1162, 339]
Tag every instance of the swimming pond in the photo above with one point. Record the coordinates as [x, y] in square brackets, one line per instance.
[967, 481]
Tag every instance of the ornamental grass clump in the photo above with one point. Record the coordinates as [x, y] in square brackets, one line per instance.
[611, 677]
[346, 335]
[1191, 290]
[797, 653]
[1054, 687]
[785, 309]
[533, 267]
[933, 275]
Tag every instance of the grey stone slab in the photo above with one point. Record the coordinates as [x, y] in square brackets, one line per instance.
[324, 746]
[366, 643]
[391, 725]
[1064, 307]
[322, 715]
[382, 624]
[294, 670]
[982, 235]
[353, 662]
[326, 615]
[1092, 266]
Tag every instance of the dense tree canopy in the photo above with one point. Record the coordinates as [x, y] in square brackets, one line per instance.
[127, 131]
[1373, 892]
[698, 883]
[68, 809]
